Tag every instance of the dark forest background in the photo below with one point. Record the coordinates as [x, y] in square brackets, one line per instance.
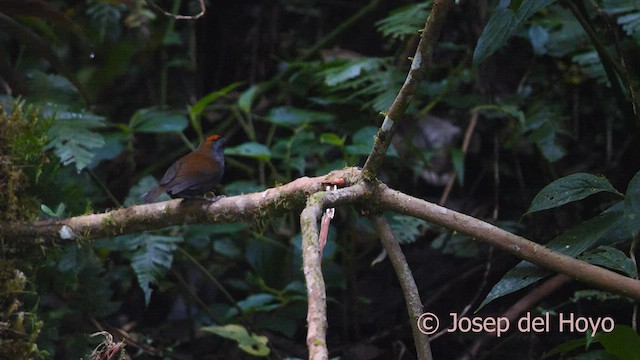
[99, 97]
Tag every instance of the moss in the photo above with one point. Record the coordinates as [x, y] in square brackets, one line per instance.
[22, 138]
[18, 329]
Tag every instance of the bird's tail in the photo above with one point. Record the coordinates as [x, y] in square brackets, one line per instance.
[153, 194]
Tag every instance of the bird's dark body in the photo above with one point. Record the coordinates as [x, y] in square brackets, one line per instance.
[194, 174]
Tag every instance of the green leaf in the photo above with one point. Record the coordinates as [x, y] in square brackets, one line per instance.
[406, 20]
[568, 189]
[611, 258]
[572, 243]
[294, 117]
[138, 190]
[151, 259]
[505, 109]
[363, 142]
[258, 302]
[227, 247]
[622, 342]
[246, 98]
[457, 158]
[154, 120]
[242, 187]
[538, 36]
[498, 30]
[332, 139]
[196, 109]
[502, 25]
[72, 137]
[250, 149]
[544, 122]
[567, 347]
[59, 213]
[632, 205]
[349, 70]
[251, 344]
[406, 228]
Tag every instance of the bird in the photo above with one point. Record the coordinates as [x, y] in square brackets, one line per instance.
[194, 174]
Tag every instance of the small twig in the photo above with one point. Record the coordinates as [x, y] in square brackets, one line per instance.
[407, 283]
[179, 17]
[632, 256]
[340, 28]
[211, 278]
[104, 187]
[195, 296]
[326, 221]
[518, 308]
[465, 147]
[479, 291]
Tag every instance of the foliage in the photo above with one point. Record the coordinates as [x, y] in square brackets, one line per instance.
[22, 134]
[554, 140]
[19, 329]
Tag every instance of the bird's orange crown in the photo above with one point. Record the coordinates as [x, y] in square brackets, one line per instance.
[213, 138]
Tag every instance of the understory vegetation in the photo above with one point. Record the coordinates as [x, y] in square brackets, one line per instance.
[528, 118]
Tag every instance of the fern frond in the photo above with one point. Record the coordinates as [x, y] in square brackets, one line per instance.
[72, 137]
[404, 21]
[152, 258]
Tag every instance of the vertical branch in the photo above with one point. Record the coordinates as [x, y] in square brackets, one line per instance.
[316, 293]
[407, 283]
[419, 64]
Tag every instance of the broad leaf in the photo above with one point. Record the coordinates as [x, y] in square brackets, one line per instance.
[457, 158]
[153, 120]
[632, 205]
[196, 109]
[571, 243]
[623, 342]
[569, 188]
[503, 24]
[246, 98]
[294, 117]
[344, 72]
[251, 150]
[611, 258]
[252, 344]
[258, 302]
[363, 142]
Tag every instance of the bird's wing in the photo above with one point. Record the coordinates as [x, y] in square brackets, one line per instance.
[171, 173]
[192, 176]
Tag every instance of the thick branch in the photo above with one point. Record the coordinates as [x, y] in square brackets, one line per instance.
[312, 269]
[407, 283]
[291, 196]
[316, 292]
[419, 65]
[511, 243]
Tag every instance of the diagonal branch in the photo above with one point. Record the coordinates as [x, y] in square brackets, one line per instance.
[419, 65]
[407, 283]
[516, 245]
